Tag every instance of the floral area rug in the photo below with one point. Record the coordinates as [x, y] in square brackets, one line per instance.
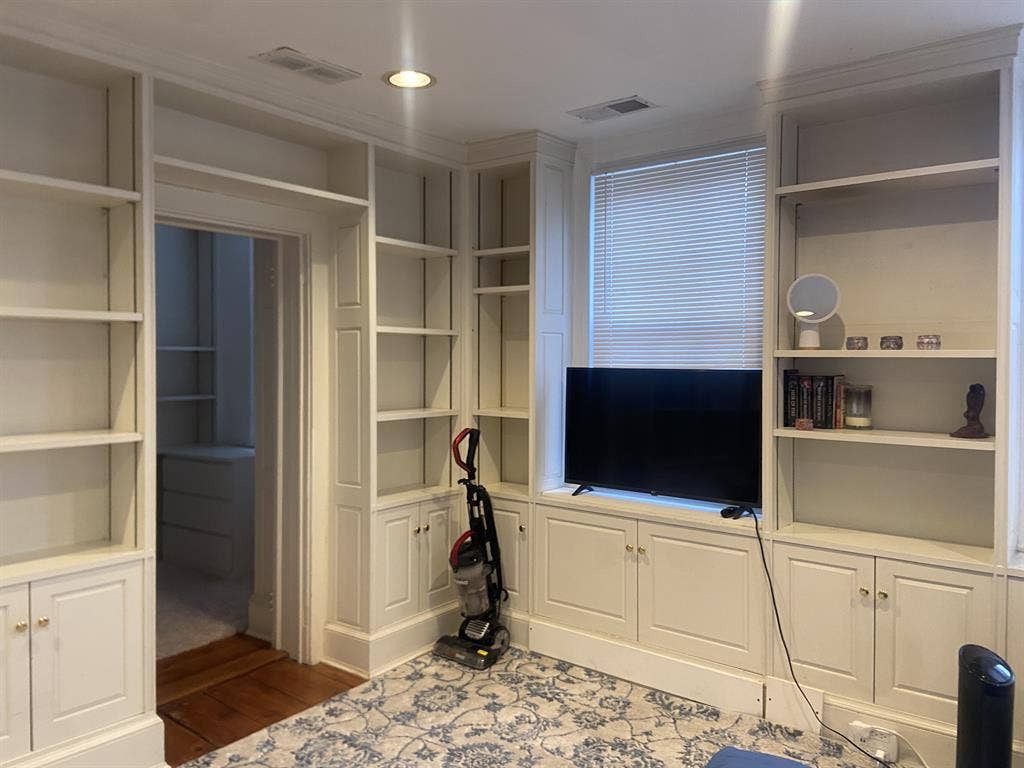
[527, 710]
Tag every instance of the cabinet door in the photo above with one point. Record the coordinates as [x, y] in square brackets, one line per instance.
[435, 541]
[1015, 645]
[509, 518]
[395, 564]
[15, 714]
[586, 574]
[826, 601]
[86, 652]
[923, 615]
[702, 593]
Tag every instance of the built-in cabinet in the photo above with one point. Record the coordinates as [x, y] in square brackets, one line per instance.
[661, 585]
[411, 545]
[881, 630]
[71, 663]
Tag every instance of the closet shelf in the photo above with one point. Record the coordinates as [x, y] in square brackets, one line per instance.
[186, 349]
[889, 437]
[964, 174]
[503, 413]
[926, 551]
[46, 441]
[412, 331]
[183, 173]
[72, 315]
[501, 289]
[184, 398]
[960, 354]
[511, 250]
[64, 190]
[410, 414]
[392, 246]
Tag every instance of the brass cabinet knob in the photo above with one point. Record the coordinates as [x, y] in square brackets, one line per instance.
[629, 547]
[43, 621]
[522, 529]
[883, 595]
[864, 591]
[21, 626]
[426, 527]
[416, 531]
[641, 550]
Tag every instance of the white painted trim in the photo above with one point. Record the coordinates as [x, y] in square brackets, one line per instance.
[514, 146]
[134, 742]
[722, 687]
[968, 49]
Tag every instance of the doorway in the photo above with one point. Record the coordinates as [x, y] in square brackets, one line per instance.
[209, 341]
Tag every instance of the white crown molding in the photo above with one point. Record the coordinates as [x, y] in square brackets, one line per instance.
[516, 145]
[1000, 43]
[219, 80]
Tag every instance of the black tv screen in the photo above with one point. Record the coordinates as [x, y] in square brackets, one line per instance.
[689, 433]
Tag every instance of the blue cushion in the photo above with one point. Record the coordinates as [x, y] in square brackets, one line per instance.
[730, 757]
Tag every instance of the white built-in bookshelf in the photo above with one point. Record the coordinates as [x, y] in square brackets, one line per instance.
[417, 325]
[72, 313]
[502, 252]
[895, 196]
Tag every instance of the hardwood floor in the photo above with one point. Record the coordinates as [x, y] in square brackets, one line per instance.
[212, 696]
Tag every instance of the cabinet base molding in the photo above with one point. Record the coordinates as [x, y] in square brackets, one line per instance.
[369, 654]
[720, 687]
[366, 654]
[133, 743]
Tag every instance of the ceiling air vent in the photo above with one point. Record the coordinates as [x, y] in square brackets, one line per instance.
[301, 64]
[612, 108]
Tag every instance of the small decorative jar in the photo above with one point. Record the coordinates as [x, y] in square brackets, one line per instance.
[891, 342]
[929, 341]
[856, 342]
[858, 406]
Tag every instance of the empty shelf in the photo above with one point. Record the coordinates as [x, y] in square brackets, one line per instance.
[71, 315]
[183, 173]
[47, 441]
[64, 190]
[929, 177]
[412, 331]
[408, 414]
[391, 246]
[501, 289]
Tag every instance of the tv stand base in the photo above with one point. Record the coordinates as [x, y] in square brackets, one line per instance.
[580, 489]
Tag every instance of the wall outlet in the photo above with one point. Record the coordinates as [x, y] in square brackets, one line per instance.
[875, 740]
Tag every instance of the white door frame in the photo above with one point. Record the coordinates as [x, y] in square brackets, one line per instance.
[282, 617]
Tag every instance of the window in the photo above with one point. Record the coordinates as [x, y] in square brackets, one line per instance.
[678, 263]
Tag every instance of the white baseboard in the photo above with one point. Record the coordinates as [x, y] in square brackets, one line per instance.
[784, 705]
[135, 743]
[370, 654]
[720, 687]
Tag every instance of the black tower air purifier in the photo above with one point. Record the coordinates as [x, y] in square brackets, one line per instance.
[984, 720]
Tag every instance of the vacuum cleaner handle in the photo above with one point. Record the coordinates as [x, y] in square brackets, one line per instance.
[469, 464]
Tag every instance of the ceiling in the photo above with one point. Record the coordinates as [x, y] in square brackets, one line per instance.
[509, 65]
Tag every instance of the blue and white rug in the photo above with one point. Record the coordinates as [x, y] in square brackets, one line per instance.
[527, 710]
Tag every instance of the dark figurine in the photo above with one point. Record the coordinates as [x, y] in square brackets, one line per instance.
[975, 402]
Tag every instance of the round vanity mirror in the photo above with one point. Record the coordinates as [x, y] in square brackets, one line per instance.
[812, 299]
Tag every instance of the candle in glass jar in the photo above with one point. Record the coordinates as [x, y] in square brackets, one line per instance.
[858, 406]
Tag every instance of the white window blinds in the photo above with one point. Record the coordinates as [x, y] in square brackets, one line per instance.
[678, 263]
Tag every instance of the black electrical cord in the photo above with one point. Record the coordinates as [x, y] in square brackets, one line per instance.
[789, 657]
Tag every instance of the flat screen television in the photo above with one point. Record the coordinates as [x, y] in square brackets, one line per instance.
[689, 433]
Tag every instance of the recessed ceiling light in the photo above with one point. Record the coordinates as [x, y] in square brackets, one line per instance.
[409, 78]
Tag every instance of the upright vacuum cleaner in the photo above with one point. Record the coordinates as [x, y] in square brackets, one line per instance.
[476, 564]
